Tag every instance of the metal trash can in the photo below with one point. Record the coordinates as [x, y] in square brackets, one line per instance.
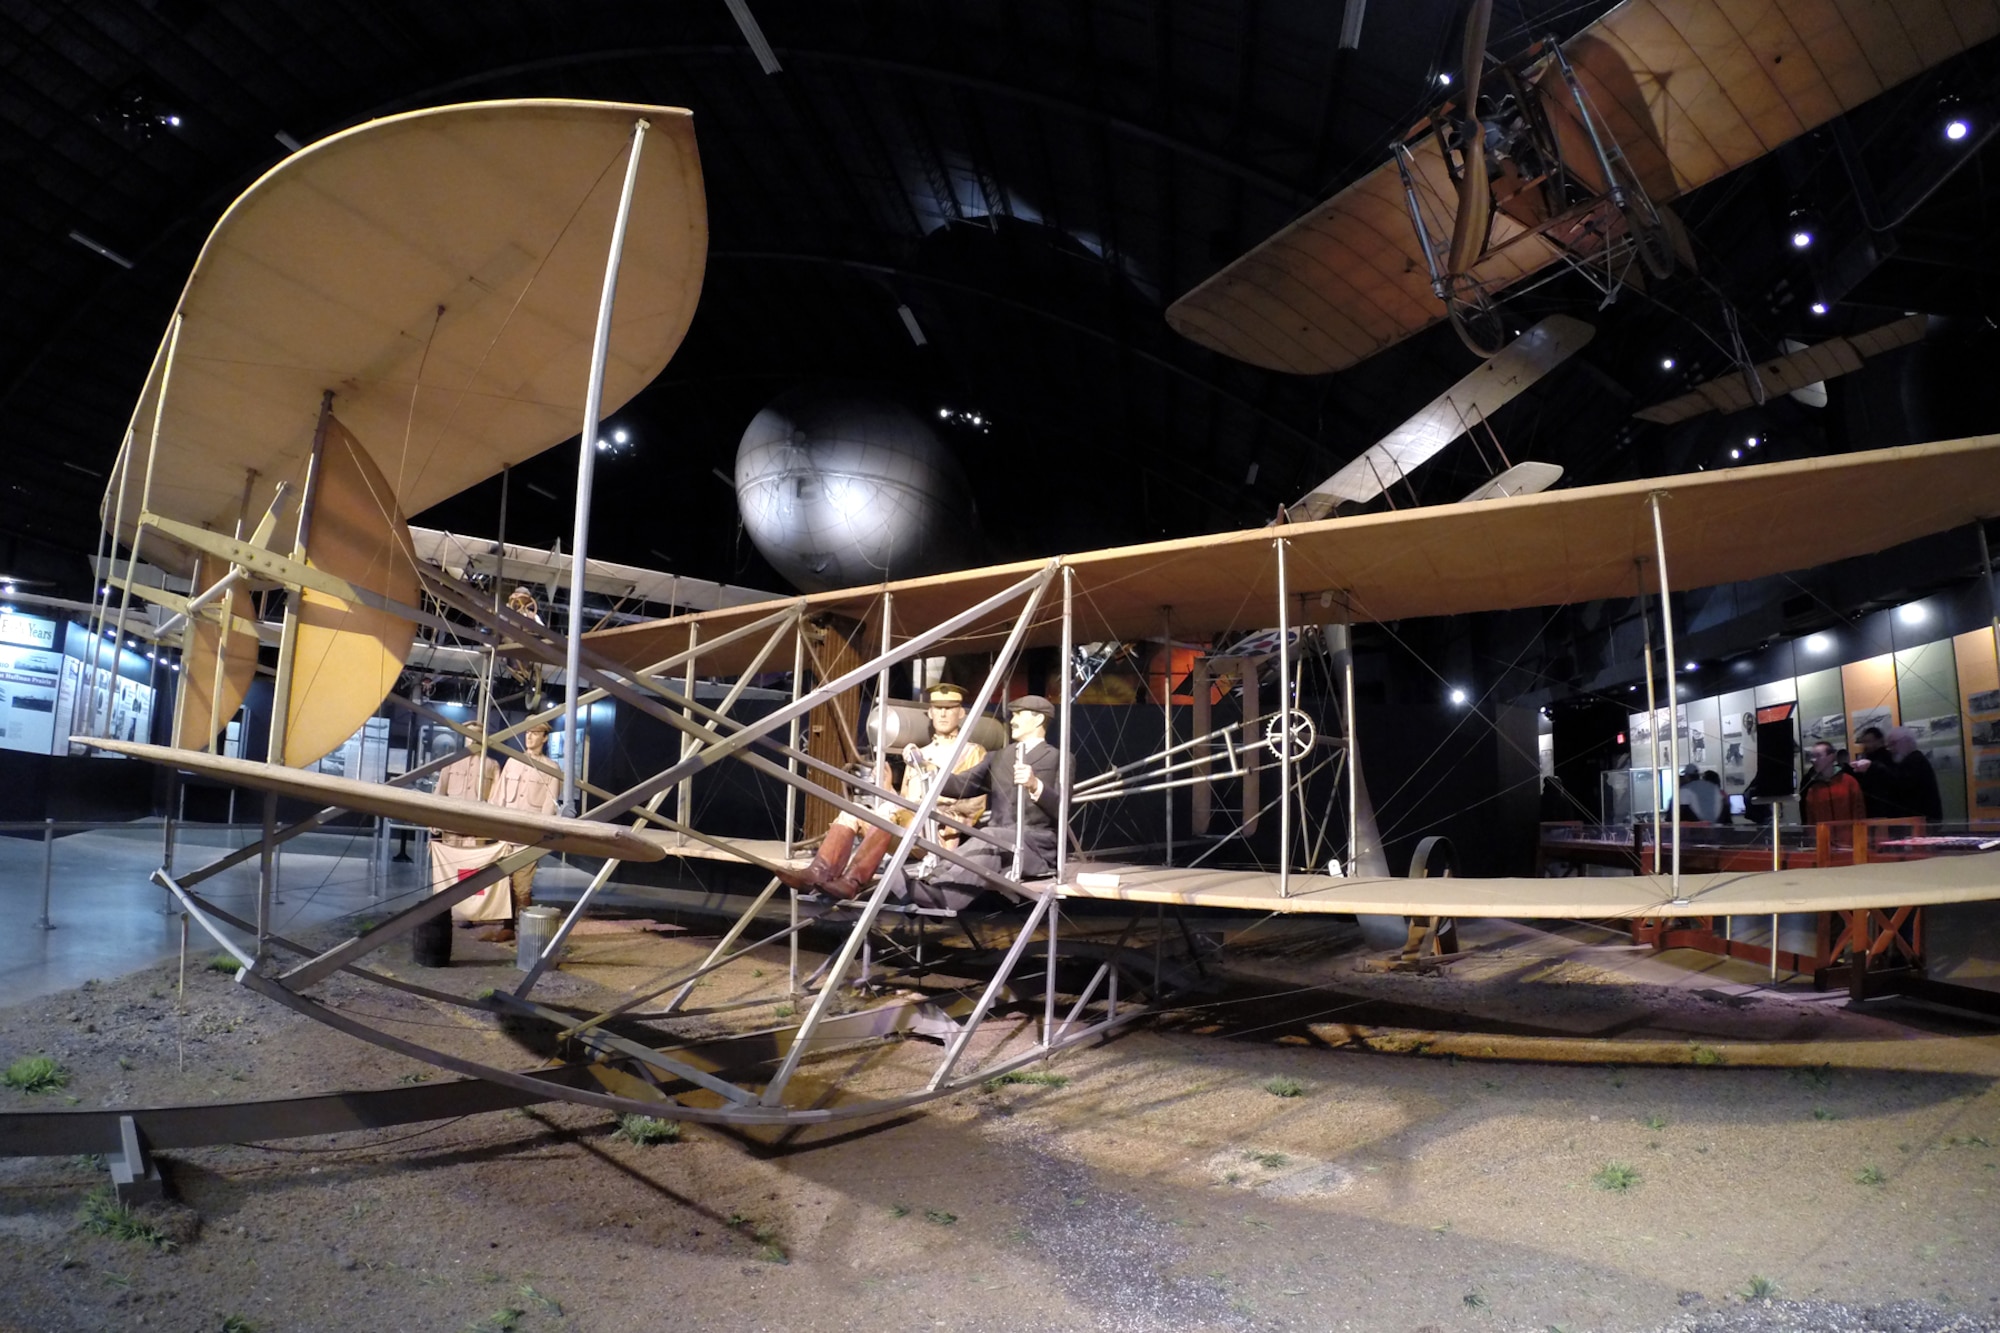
[430, 941]
[534, 927]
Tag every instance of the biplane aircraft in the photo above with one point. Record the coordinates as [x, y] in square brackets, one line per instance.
[394, 312]
[1573, 160]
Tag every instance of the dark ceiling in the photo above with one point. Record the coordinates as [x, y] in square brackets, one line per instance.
[1034, 180]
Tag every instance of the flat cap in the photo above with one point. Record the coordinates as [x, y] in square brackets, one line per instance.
[1032, 703]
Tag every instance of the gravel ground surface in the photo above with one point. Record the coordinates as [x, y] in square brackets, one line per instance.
[1555, 1134]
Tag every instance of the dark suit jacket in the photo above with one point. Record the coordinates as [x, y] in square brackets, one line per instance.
[994, 776]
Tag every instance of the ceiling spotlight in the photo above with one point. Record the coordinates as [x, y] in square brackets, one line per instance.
[1692, 666]
[1458, 696]
[1956, 129]
[1736, 453]
[1818, 643]
[1801, 224]
[1444, 80]
[1913, 614]
[1666, 363]
[1752, 441]
[1819, 307]
[619, 437]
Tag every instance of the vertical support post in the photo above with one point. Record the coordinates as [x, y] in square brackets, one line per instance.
[288, 638]
[139, 531]
[174, 791]
[267, 876]
[1064, 741]
[1777, 864]
[1166, 714]
[1353, 764]
[492, 648]
[882, 682]
[1284, 715]
[1652, 718]
[792, 743]
[1986, 573]
[586, 466]
[1673, 692]
[48, 870]
[84, 703]
[684, 798]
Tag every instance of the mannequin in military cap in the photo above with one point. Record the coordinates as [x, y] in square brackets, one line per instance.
[843, 869]
[1023, 779]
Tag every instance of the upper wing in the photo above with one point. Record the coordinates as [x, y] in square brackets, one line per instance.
[439, 272]
[1348, 279]
[1692, 89]
[1520, 551]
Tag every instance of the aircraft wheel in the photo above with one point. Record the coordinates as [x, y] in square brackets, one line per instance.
[1477, 320]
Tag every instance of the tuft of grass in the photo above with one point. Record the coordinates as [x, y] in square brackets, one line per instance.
[1615, 1176]
[1760, 1289]
[939, 1217]
[1473, 1300]
[1268, 1159]
[1656, 1122]
[236, 1323]
[645, 1131]
[225, 963]
[899, 1210]
[1040, 1078]
[1822, 1113]
[1870, 1175]
[103, 1215]
[35, 1073]
[1283, 1086]
[529, 1296]
[1707, 1055]
[503, 1320]
[785, 1010]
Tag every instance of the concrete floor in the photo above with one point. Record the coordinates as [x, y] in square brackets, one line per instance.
[109, 918]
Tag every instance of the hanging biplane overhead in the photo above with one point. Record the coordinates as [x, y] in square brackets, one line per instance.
[1577, 150]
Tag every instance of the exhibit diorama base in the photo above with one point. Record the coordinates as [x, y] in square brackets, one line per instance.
[1558, 1130]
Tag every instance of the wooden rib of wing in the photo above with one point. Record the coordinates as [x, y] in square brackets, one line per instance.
[203, 711]
[1520, 551]
[438, 271]
[1690, 89]
[1348, 279]
[1821, 361]
[347, 657]
[476, 819]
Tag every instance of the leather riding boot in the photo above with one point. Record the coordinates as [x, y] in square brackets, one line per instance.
[862, 868]
[827, 862]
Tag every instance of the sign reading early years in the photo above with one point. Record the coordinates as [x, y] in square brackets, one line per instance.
[28, 631]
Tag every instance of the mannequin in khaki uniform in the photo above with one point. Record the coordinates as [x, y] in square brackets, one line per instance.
[523, 787]
[832, 868]
[470, 777]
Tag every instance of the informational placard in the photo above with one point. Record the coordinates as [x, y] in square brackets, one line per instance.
[30, 683]
[27, 631]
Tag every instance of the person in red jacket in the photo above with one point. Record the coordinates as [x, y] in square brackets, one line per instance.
[1830, 793]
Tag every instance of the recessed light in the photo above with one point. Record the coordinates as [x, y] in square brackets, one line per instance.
[1913, 614]
[1819, 307]
[1458, 696]
[1818, 643]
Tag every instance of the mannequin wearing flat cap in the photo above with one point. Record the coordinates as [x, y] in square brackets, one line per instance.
[1023, 779]
[841, 868]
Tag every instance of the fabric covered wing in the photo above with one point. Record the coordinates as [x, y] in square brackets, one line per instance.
[347, 657]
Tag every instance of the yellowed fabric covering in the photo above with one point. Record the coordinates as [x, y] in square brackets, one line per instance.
[1521, 551]
[1944, 879]
[347, 657]
[440, 272]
